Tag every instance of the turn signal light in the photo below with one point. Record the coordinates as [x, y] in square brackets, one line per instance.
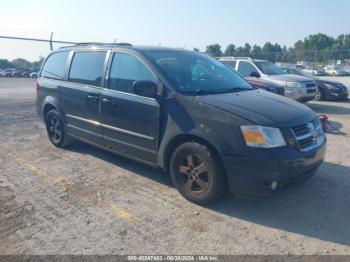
[253, 136]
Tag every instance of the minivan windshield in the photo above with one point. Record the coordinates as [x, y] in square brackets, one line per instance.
[269, 68]
[197, 74]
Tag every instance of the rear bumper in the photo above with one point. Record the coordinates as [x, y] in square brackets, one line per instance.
[253, 174]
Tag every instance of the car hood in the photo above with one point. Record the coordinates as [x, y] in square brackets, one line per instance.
[290, 78]
[261, 107]
[328, 82]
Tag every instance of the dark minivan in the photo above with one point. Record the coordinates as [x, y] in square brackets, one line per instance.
[182, 111]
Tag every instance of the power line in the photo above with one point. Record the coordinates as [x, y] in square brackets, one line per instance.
[37, 40]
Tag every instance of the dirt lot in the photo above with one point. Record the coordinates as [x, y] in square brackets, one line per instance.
[83, 200]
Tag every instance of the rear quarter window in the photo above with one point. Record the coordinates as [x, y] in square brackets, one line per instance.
[55, 65]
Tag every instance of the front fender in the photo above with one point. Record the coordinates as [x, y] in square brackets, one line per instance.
[190, 120]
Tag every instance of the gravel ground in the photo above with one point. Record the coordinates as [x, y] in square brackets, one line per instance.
[83, 200]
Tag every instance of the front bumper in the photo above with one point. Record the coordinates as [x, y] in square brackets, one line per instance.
[336, 94]
[253, 174]
[301, 94]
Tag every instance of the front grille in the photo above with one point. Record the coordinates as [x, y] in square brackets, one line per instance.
[279, 91]
[310, 91]
[309, 136]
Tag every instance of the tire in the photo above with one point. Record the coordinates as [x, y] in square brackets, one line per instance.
[197, 173]
[319, 95]
[56, 129]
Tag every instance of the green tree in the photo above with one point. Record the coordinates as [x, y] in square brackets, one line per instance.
[257, 52]
[195, 49]
[247, 49]
[4, 63]
[37, 64]
[214, 50]
[21, 63]
[230, 50]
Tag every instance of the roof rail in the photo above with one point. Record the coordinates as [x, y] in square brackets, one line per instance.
[97, 43]
[225, 57]
[123, 43]
[100, 43]
[234, 57]
[244, 57]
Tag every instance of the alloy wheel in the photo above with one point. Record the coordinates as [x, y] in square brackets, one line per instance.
[194, 174]
[55, 129]
[318, 95]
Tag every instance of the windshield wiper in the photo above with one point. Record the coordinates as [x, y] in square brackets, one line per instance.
[222, 91]
[198, 92]
[232, 90]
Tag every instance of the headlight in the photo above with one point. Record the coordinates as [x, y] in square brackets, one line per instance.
[262, 136]
[294, 84]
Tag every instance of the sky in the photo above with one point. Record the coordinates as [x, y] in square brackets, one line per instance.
[174, 23]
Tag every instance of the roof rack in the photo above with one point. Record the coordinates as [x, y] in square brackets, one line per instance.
[243, 57]
[98, 43]
[234, 58]
[225, 57]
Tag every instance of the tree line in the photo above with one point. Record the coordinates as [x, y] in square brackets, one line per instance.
[21, 63]
[319, 48]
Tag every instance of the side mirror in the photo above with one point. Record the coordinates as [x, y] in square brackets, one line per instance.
[254, 74]
[145, 88]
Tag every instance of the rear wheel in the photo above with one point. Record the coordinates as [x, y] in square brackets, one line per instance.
[56, 129]
[319, 95]
[197, 173]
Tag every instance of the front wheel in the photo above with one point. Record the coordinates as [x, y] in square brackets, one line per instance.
[197, 173]
[319, 95]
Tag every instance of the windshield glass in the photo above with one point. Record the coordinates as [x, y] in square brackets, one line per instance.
[197, 73]
[269, 68]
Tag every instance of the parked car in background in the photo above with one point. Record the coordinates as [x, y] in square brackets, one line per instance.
[33, 75]
[258, 82]
[181, 111]
[26, 73]
[313, 71]
[326, 89]
[7, 72]
[296, 87]
[335, 70]
[18, 72]
[347, 69]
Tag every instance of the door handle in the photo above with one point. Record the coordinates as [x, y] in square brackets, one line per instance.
[108, 101]
[95, 98]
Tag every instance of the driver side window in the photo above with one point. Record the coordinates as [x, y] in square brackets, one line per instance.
[246, 68]
[125, 70]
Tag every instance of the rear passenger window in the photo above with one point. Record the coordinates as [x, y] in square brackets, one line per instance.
[246, 68]
[55, 66]
[87, 68]
[231, 64]
[125, 70]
